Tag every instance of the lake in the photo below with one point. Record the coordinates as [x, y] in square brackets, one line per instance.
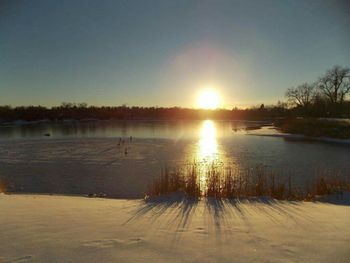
[120, 158]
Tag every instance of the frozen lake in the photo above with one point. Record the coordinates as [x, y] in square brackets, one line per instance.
[93, 157]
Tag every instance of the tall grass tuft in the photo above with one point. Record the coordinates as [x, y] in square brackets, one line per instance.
[218, 181]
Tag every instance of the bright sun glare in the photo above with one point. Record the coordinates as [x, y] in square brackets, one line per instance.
[208, 146]
[209, 99]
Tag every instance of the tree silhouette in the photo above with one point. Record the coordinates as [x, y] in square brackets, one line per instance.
[335, 84]
[301, 96]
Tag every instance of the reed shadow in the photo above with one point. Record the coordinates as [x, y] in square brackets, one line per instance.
[178, 211]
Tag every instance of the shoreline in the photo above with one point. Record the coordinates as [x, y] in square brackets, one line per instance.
[336, 199]
[303, 137]
[68, 121]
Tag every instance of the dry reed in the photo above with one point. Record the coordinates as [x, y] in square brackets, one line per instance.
[218, 181]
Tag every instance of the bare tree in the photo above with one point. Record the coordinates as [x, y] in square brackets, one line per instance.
[82, 105]
[335, 84]
[302, 95]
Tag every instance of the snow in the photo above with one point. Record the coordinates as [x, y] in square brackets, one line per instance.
[265, 131]
[43, 228]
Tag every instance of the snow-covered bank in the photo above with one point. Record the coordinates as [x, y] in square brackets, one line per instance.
[36, 228]
[302, 137]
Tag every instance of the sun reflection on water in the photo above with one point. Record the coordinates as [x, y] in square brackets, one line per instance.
[207, 150]
[207, 145]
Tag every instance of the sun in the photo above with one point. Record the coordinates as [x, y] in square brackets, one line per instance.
[208, 99]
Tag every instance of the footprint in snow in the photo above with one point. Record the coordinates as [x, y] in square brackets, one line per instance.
[107, 243]
[22, 259]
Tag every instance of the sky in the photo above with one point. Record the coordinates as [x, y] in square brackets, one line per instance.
[164, 53]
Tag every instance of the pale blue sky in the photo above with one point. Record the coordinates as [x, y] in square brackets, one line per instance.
[161, 53]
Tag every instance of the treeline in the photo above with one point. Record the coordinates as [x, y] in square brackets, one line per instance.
[326, 97]
[84, 112]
